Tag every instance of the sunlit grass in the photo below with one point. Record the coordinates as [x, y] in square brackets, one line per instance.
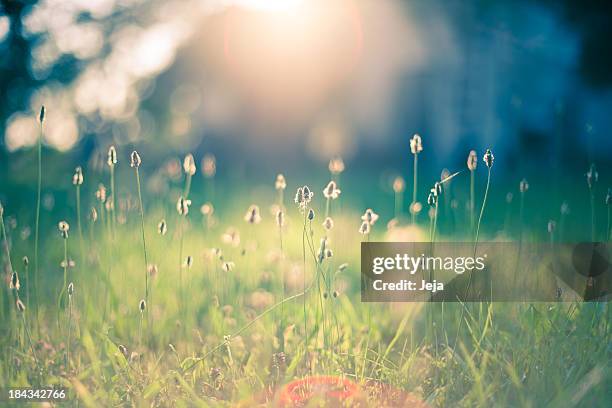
[273, 300]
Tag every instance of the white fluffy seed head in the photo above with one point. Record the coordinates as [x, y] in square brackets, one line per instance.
[369, 216]
[189, 165]
[142, 305]
[328, 223]
[523, 186]
[416, 144]
[488, 158]
[41, 115]
[253, 215]
[162, 227]
[77, 177]
[70, 289]
[399, 185]
[14, 281]
[182, 206]
[331, 191]
[135, 160]
[280, 183]
[336, 165]
[111, 159]
[209, 165]
[63, 228]
[592, 176]
[472, 160]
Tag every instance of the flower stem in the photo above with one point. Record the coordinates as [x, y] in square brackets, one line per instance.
[37, 227]
[144, 242]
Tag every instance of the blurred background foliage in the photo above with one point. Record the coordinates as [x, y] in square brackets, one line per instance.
[271, 85]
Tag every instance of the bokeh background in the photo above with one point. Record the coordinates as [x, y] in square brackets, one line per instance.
[273, 86]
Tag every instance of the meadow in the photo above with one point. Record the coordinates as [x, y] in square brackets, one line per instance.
[154, 284]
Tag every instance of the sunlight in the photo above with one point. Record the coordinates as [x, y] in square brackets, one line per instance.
[272, 5]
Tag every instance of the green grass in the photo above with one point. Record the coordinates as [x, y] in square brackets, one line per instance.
[179, 352]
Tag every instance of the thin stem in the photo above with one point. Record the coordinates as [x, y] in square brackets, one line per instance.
[252, 322]
[187, 185]
[472, 203]
[25, 327]
[482, 208]
[181, 257]
[37, 227]
[69, 329]
[414, 188]
[144, 243]
[113, 214]
[63, 291]
[79, 227]
[304, 275]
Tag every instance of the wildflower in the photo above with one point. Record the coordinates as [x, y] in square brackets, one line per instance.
[565, 208]
[280, 218]
[472, 160]
[369, 216]
[189, 261]
[63, 227]
[551, 226]
[609, 197]
[416, 207]
[217, 253]
[123, 350]
[432, 198]
[365, 228]
[523, 186]
[231, 236]
[77, 178]
[488, 158]
[209, 165]
[328, 224]
[70, 289]
[252, 215]
[592, 176]
[112, 156]
[20, 306]
[135, 160]
[437, 189]
[336, 165]
[14, 281]
[303, 197]
[342, 267]
[228, 266]
[207, 209]
[189, 165]
[93, 214]
[335, 293]
[152, 269]
[41, 116]
[280, 183]
[108, 205]
[182, 205]
[416, 145]
[322, 250]
[142, 305]
[311, 214]
[399, 185]
[331, 191]
[162, 227]
[101, 193]
[328, 253]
